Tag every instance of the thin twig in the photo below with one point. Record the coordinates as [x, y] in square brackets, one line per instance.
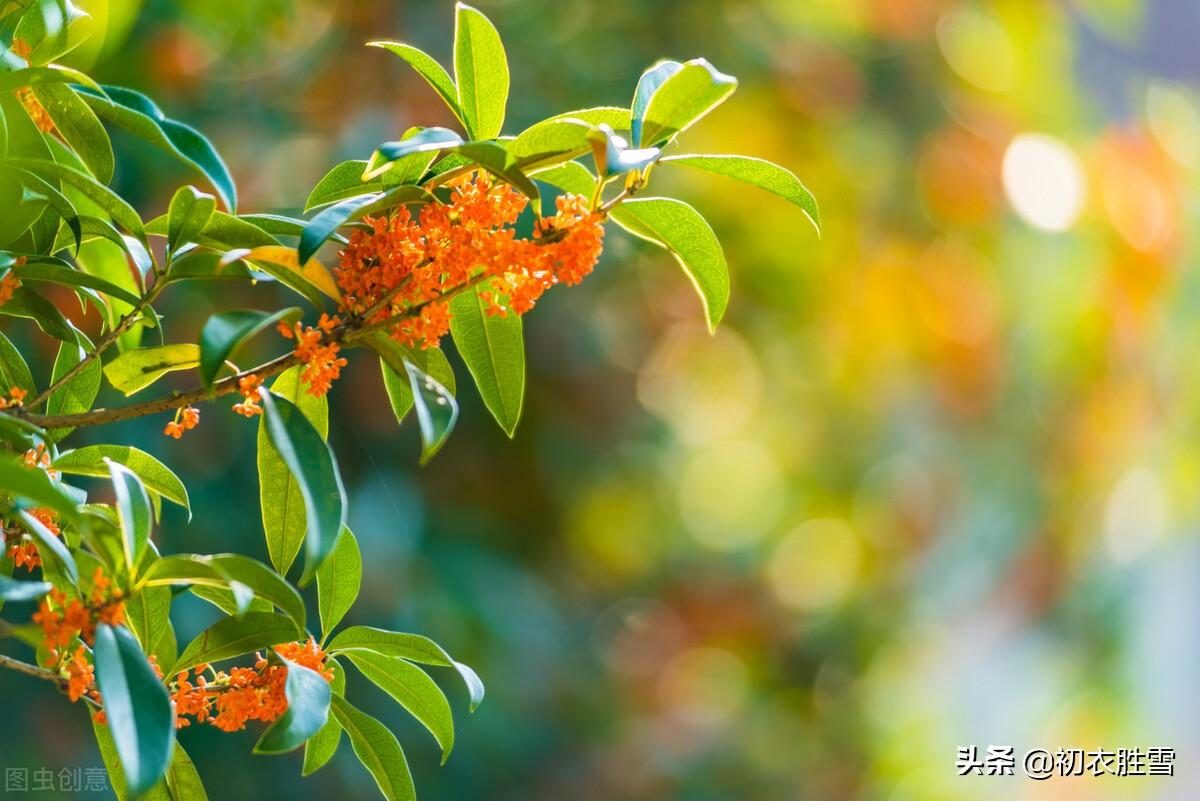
[32, 670]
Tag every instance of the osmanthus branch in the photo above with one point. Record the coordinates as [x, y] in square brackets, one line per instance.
[32, 670]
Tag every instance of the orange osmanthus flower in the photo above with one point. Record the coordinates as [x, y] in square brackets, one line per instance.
[185, 420]
[248, 388]
[8, 285]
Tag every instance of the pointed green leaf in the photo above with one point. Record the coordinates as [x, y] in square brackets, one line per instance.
[429, 69]
[323, 745]
[676, 226]
[189, 212]
[311, 462]
[137, 707]
[681, 100]
[121, 212]
[437, 411]
[135, 370]
[338, 581]
[481, 71]
[12, 590]
[378, 750]
[53, 272]
[413, 690]
[91, 460]
[646, 87]
[308, 697]
[759, 172]
[133, 510]
[183, 780]
[235, 636]
[493, 348]
[77, 394]
[343, 181]
[14, 372]
[225, 333]
[78, 125]
[52, 549]
[324, 225]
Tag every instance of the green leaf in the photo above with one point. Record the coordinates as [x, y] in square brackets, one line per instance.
[116, 774]
[36, 487]
[50, 548]
[496, 159]
[148, 615]
[437, 411]
[378, 750]
[323, 745]
[413, 690]
[32, 306]
[646, 87]
[91, 460]
[235, 636]
[392, 356]
[137, 707]
[311, 462]
[493, 349]
[225, 333]
[308, 697]
[135, 370]
[759, 172]
[137, 114]
[93, 190]
[77, 394]
[51, 271]
[282, 503]
[189, 212]
[676, 226]
[343, 181]
[14, 372]
[613, 155]
[133, 510]
[429, 69]
[424, 140]
[481, 71]
[56, 200]
[11, 590]
[555, 140]
[681, 100]
[615, 117]
[183, 780]
[78, 125]
[324, 225]
[413, 647]
[265, 582]
[338, 581]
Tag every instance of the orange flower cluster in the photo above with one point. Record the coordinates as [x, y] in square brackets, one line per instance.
[16, 397]
[63, 619]
[230, 699]
[24, 552]
[8, 285]
[322, 365]
[248, 387]
[405, 267]
[81, 674]
[185, 420]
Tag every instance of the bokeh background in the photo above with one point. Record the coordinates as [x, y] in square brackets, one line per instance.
[932, 484]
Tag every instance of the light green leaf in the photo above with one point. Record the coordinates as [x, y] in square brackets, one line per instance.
[264, 582]
[324, 225]
[555, 140]
[282, 503]
[137, 707]
[183, 780]
[14, 372]
[225, 333]
[35, 486]
[133, 511]
[413, 690]
[51, 271]
[135, 370]
[338, 581]
[415, 142]
[235, 636]
[437, 411]
[77, 394]
[759, 172]
[311, 462]
[308, 697]
[148, 615]
[78, 125]
[91, 460]
[392, 356]
[493, 349]
[323, 745]
[98, 193]
[189, 212]
[681, 100]
[378, 750]
[12, 590]
[343, 181]
[429, 69]
[646, 87]
[676, 226]
[52, 549]
[481, 70]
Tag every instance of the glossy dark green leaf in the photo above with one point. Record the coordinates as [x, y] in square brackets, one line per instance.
[225, 333]
[480, 71]
[429, 69]
[136, 706]
[437, 411]
[413, 647]
[264, 582]
[133, 510]
[189, 212]
[12, 590]
[308, 695]
[283, 512]
[412, 688]
[140, 116]
[321, 227]
[51, 271]
[493, 349]
[92, 460]
[676, 226]
[135, 370]
[377, 749]
[323, 745]
[311, 462]
[683, 98]
[112, 203]
[32, 306]
[758, 172]
[235, 636]
[79, 126]
[338, 581]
